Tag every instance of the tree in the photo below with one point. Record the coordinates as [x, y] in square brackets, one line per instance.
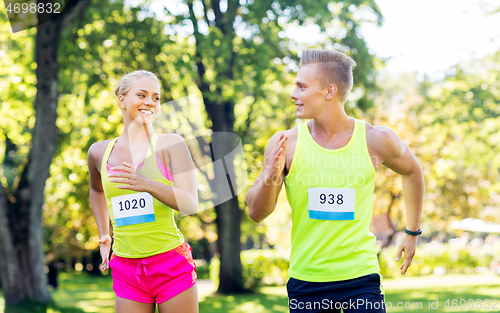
[452, 127]
[22, 266]
[459, 124]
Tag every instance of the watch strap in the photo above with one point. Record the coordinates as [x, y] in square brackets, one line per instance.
[413, 233]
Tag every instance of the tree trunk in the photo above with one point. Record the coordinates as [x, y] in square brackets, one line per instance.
[228, 224]
[221, 114]
[21, 250]
[228, 213]
[23, 274]
[229, 246]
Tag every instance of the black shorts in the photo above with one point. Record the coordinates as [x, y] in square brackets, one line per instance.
[362, 294]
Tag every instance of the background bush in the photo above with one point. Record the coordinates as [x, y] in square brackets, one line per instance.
[260, 268]
[440, 258]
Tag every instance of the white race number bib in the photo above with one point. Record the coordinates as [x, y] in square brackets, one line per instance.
[135, 208]
[335, 204]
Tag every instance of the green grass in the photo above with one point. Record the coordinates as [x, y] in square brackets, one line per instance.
[79, 293]
[275, 300]
[443, 288]
[407, 291]
[93, 293]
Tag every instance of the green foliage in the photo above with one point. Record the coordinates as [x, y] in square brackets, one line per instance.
[214, 269]
[203, 271]
[439, 258]
[260, 268]
[18, 93]
[452, 127]
[459, 125]
[243, 56]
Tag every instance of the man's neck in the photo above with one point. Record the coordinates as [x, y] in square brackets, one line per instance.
[332, 123]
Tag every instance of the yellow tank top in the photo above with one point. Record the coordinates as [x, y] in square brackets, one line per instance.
[330, 193]
[153, 234]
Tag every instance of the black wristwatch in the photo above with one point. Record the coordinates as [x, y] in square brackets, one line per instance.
[413, 233]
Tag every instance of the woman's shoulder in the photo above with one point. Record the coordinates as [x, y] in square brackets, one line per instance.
[96, 152]
[97, 149]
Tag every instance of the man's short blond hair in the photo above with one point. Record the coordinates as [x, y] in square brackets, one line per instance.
[334, 67]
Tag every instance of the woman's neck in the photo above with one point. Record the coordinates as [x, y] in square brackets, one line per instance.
[137, 133]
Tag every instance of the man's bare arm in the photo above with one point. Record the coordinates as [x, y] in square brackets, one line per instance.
[262, 197]
[397, 156]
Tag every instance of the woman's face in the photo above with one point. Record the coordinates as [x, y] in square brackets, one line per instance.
[142, 102]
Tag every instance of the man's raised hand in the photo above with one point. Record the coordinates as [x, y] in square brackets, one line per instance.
[275, 163]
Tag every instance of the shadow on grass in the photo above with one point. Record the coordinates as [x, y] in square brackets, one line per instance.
[36, 307]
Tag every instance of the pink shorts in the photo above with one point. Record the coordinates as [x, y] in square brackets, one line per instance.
[155, 279]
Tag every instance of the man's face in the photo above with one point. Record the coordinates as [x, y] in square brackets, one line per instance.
[309, 94]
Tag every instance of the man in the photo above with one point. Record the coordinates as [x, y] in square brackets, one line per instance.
[328, 165]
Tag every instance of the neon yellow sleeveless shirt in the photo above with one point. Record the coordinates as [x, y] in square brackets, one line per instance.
[330, 193]
[157, 233]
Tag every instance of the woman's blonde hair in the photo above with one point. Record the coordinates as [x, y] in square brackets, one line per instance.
[334, 68]
[127, 79]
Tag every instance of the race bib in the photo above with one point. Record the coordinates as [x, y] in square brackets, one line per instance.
[135, 208]
[334, 204]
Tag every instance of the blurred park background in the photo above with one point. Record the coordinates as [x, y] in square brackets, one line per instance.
[427, 69]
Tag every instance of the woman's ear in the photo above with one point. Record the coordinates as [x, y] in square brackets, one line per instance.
[331, 91]
[120, 102]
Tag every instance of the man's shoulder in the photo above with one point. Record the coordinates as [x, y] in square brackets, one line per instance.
[380, 133]
[383, 139]
[290, 133]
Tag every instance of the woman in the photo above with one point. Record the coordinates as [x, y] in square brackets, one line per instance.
[151, 262]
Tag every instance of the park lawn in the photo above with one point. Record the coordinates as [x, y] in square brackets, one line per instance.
[82, 293]
[412, 291]
[89, 293]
